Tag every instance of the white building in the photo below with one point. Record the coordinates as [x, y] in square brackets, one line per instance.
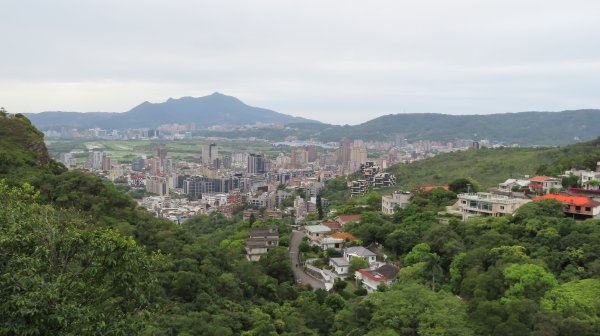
[397, 200]
[372, 278]
[340, 266]
[360, 252]
[486, 204]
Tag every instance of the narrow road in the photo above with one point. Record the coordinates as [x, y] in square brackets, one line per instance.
[299, 274]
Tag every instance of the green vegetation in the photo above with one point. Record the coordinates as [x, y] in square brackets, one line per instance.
[491, 166]
[78, 257]
[127, 150]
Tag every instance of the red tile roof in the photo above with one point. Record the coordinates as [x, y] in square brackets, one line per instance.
[568, 199]
[372, 276]
[333, 225]
[343, 235]
[349, 218]
[428, 188]
[540, 178]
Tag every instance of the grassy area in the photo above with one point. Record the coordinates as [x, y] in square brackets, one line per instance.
[126, 150]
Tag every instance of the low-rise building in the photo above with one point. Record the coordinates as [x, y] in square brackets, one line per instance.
[360, 252]
[331, 243]
[340, 266]
[316, 232]
[398, 200]
[544, 184]
[510, 184]
[486, 204]
[589, 180]
[579, 207]
[346, 219]
[372, 278]
[261, 241]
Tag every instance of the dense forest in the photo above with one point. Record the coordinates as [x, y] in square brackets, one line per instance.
[79, 257]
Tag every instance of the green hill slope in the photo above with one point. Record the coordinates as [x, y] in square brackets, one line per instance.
[492, 166]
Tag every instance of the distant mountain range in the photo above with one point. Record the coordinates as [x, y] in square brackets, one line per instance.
[215, 109]
[524, 128]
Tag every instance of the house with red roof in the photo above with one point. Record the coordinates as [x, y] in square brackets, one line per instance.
[334, 226]
[544, 183]
[576, 206]
[345, 219]
[429, 188]
[372, 278]
[344, 235]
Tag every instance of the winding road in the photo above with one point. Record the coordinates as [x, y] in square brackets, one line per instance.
[299, 274]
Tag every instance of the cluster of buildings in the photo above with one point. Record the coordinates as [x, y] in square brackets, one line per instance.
[373, 177]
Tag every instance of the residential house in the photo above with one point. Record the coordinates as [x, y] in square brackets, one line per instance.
[429, 188]
[372, 278]
[508, 185]
[579, 207]
[316, 232]
[333, 243]
[360, 252]
[544, 184]
[348, 237]
[261, 241]
[333, 226]
[585, 177]
[340, 266]
[398, 200]
[485, 204]
[345, 219]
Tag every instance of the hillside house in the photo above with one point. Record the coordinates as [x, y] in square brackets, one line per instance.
[345, 219]
[340, 266]
[579, 207]
[485, 204]
[372, 278]
[316, 233]
[398, 200]
[360, 252]
[261, 241]
[544, 184]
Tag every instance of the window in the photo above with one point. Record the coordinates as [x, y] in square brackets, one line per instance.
[588, 209]
[502, 207]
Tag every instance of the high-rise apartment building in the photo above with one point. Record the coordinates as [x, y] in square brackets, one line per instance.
[256, 163]
[209, 154]
[343, 152]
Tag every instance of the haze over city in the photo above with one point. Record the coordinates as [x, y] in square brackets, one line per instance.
[336, 61]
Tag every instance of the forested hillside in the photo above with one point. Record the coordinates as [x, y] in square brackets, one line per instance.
[491, 166]
[78, 257]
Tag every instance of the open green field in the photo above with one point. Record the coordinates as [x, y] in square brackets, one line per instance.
[127, 150]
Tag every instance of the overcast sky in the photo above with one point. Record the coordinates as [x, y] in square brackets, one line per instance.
[334, 61]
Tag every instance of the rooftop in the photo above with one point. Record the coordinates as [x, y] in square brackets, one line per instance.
[344, 235]
[317, 228]
[383, 273]
[428, 188]
[349, 218]
[340, 262]
[333, 225]
[360, 251]
[568, 199]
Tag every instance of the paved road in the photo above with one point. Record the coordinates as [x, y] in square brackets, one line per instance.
[299, 273]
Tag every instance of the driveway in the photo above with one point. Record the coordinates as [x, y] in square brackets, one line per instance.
[297, 267]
